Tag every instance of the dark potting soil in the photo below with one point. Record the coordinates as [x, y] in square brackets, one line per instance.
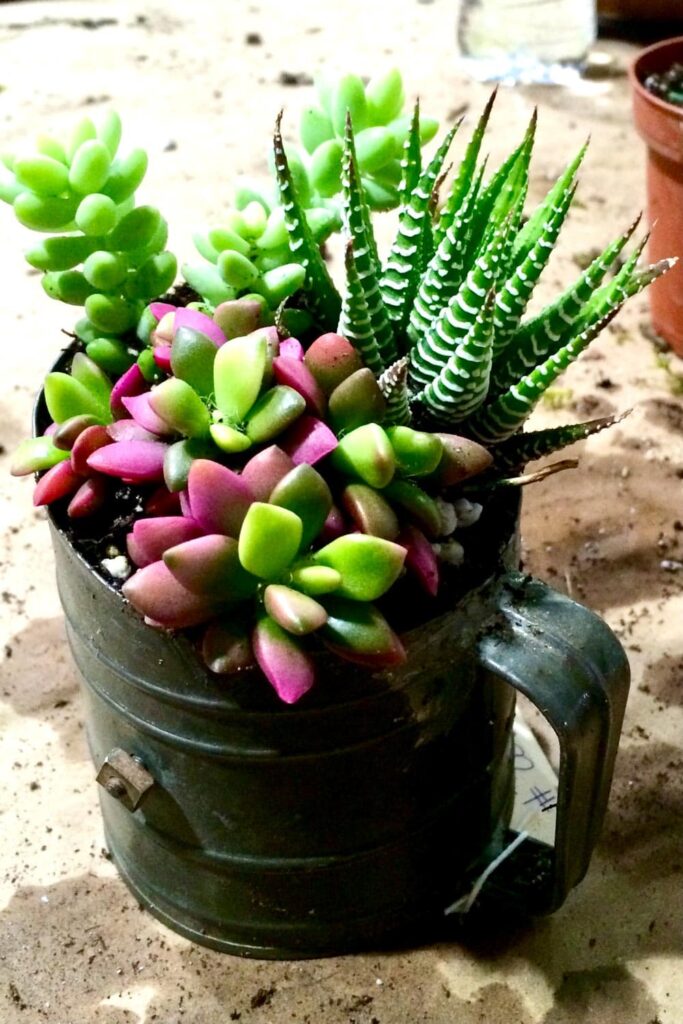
[667, 85]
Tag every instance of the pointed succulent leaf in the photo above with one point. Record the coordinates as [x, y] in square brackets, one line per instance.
[219, 498]
[315, 128]
[536, 339]
[265, 470]
[360, 633]
[447, 267]
[331, 359]
[210, 565]
[304, 492]
[294, 611]
[356, 401]
[295, 374]
[462, 384]
[322, 296]
[134, 461]
[403, 267]
[526, 238]
[368, 566]
[465, 174]
[155, 593]
[411, 163]
[129, 430]
[150, 538]
[226, 648]
[366, 452]
[274, 411]
[179, 458]
[417, 452]
[288, 668]
[315, 580]
[238, 374]
[258, 553]
[364, 251]
[393, 384]
[515, 293]
[504, 416]
[309, 440]
[456, 320]
[370, 512]
[292, 349]
[35, 454]
[519, 449]
[180, 406]
[206, 280]
[59, 482]
[421, 562]
[355, 322]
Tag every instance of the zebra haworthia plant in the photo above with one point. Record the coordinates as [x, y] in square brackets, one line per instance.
[283, 486]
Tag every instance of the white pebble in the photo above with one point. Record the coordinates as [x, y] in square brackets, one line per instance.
[468, 512]
[449, 519]
[118, 567]
[452, 552]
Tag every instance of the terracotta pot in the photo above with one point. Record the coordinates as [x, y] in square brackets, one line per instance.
[661, 126]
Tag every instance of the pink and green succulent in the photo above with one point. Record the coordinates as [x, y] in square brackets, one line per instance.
[284, 485]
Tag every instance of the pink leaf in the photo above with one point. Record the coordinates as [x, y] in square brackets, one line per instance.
[152, 537]
[333, 527]
[291, 348]
[155, 593]
[130, 383]
[162, 357]
[288, 669]
[184, 499]
[135, 461]
[308, 440]
[296, 374]
[420, 559]
[162, 502]
[264, 471]
[160, 309]
[200, 322]
[57, 483]
[129, 430]
[144, 415]
[87, 442]
[219, 498]
[88, 499]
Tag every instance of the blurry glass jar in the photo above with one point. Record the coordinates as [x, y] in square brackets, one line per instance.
[521, 39]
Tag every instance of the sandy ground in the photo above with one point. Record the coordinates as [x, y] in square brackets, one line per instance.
[74, 946]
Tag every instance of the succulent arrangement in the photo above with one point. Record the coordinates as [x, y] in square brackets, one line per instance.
[284, 483]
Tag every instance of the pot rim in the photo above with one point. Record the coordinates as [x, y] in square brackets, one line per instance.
[635, 72]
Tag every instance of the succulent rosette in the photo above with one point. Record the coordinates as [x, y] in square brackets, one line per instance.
[281, 486]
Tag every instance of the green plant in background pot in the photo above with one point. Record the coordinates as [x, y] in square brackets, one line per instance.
[234, 506]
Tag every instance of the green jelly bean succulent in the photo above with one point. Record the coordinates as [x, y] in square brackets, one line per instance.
[103, 252]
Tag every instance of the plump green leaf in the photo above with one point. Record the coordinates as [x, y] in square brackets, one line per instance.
[269, 540]
[42, 174]
[89, 167]
[66, 397]
[34, 454]
[368, 565]
[316, 579]
[180, 406]
[274, 411]
[229, 439]
[360, 633]
[356, 401]
[366, 452]
[305, 492]
[125, 176]
[417, 453]
[192, 359]
[238, 375]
